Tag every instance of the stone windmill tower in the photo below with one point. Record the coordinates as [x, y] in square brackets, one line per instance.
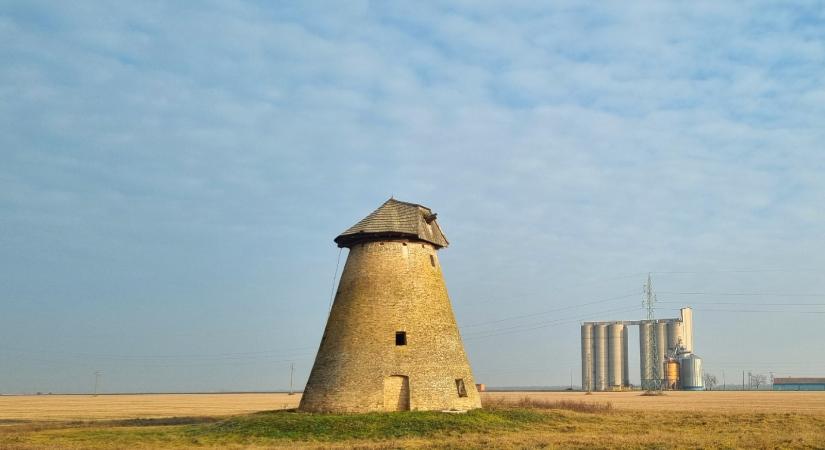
[391, 342]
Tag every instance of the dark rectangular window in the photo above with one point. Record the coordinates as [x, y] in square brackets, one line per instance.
[400, 338]
[459, 385]
[432, 260]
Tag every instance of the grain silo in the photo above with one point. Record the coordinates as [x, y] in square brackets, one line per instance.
[615, 359]
[671, 370]
[646, 354]
[391, 341]
[660, 329]
[587, 357]
[675, 335]
[625, 361]
[599, 357]
[691, 376]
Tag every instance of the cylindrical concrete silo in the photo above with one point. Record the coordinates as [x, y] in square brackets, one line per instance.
[674, 337]
[646, 354]
[687, 329]
[614, 356]
[599, 357]
[587, 357]
[625, 362]
[661, 349]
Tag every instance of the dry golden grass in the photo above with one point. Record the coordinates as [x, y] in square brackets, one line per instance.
[565, 419]
[109, 407]
[707, 401]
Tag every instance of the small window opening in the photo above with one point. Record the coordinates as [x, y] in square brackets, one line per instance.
[400, 338]
[459, 386]
[432, 260]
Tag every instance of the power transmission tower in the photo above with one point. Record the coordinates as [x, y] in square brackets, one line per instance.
[98, 374]
[649, 302]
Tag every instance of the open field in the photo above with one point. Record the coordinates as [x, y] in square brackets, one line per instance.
[87, 407]
[101, 407]
[558, 419]
[709, 401]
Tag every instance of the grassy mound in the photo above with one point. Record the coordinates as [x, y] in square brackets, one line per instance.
[335, 427]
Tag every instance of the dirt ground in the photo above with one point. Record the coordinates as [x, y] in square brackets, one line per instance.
[87, 407]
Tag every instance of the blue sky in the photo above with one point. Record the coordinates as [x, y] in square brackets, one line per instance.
[172, 176]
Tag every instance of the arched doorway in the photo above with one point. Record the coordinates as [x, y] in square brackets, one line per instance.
[397, 393]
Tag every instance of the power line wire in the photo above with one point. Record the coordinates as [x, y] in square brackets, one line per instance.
[754, 294]
[523, 316]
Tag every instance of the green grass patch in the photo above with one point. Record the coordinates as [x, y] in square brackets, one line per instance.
[284, 426]
[372, 426]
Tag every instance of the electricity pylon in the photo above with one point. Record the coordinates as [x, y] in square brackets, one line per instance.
[649, 302]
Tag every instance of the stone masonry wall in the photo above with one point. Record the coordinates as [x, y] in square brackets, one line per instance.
[387, 287]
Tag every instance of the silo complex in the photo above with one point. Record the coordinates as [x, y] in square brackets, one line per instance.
[663, 346]
[604, 356]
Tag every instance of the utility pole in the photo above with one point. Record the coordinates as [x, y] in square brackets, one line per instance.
[291, 376]
[724, 382]
[571, 379]
[649, 302]
[743, 380]
[98, 374]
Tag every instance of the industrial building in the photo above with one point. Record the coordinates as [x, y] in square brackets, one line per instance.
[798, 384]
[665, 353]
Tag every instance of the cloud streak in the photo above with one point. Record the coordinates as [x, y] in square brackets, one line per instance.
[183, 169]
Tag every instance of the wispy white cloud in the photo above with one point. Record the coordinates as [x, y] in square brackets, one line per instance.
[179, 155]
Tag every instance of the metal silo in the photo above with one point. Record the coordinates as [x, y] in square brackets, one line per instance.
[614, 355]
[625, 362]
[587, 357]
[674, 337]
[661, 349]
[646, 354]
[671, 374]
[691, 374]
[599, 357]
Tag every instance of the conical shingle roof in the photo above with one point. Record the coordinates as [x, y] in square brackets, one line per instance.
[396, 219]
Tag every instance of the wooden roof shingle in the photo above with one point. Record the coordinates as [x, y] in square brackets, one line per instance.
[396, 219]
